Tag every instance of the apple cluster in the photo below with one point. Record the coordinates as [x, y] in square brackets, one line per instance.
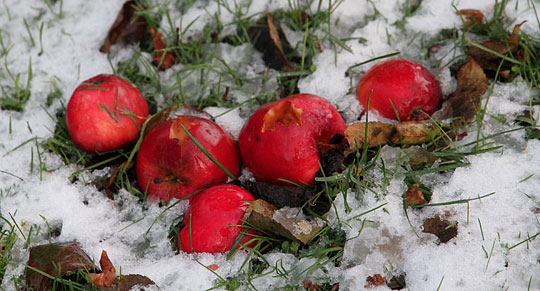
[280, 144]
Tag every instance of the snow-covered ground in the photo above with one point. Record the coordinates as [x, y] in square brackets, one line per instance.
[65, 50]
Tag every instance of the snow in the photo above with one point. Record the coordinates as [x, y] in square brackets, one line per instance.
[481, 257]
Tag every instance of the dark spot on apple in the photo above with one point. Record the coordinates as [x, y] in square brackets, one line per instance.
[257, 138]
[157, 181]
[209, 132]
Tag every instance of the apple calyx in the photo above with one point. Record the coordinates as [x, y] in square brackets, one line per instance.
[282, 112]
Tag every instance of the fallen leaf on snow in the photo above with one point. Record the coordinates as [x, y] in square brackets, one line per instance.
[127, 28]
[56, 259]
[266, 216]
[442, 228]
[375, 280]
[464, 103]
[414, 196]
[108, 272]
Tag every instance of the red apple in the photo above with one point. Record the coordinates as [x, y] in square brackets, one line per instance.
[170, 165]
[105, 113]
[213, 220]
[413, 90]
[281, 140]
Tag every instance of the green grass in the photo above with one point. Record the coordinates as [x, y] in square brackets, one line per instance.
[203, 79]
[16, 92]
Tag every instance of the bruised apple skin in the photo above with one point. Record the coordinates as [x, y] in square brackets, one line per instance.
[414, 91]
[105, 113]
[281, 140]
[170, 165]
[214, 219]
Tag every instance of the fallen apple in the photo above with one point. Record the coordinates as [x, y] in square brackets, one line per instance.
[213, 220]
[170, 165]
[280, 142]
[403, 85]
[105, 113]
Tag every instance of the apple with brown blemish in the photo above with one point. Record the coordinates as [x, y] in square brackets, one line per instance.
[105, 113]
[170, 165]
[280, 143]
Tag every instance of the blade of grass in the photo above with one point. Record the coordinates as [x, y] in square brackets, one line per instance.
[206, 153]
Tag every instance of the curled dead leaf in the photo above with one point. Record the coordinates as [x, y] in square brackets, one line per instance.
[474, 16]
[127, 28]
[276, 40]
[464, 103]
[490, 61]
[271, 42]
[108, 272]
[163, 58]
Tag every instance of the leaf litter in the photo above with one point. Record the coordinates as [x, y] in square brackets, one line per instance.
[468, 93]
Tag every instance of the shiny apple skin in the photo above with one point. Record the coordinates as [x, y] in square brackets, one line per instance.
[169, 168]
[410, 86]
[95, 130]
[290, 152]
[214, 219]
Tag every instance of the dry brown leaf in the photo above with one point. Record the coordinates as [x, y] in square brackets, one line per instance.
[127, 28]
[271, 42]
[375, 280]
[56, 259]
[276, 40]
[465, 102]
[261, 214]
[128, 282]
[414, 196]
[108, 272]
[473, 16]
[490, 61]
[442, 228]
[378, 133]
[413, 132]
[163, 58]
[310, 286]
